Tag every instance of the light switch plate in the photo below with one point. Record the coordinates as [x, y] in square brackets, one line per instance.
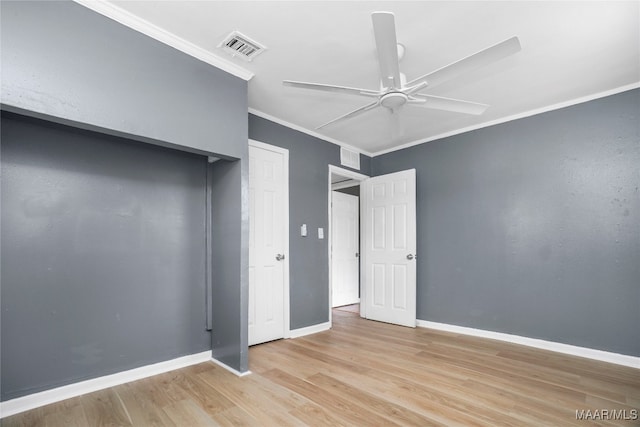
[303, 230]
[320, 233]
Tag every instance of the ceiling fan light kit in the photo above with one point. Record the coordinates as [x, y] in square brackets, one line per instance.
[393, 100]
[395, 92]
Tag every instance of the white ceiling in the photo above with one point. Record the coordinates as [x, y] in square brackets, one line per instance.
[571, 51]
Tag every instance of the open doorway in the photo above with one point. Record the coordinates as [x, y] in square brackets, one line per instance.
[344, 239]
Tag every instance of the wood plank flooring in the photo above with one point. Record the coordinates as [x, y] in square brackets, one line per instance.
[365, 373]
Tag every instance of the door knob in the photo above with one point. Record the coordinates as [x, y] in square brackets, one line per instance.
[279, 257]
[411, 256]
[357, 255]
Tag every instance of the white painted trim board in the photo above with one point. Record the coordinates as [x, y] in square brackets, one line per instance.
[313, 329]
[35, 400]
[230, 369]
[304, 130]
[145, 27]
[513, 117]
[589, 353]
[344, 184]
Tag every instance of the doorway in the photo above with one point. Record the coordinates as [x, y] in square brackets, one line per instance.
[344, 237]
[387, 245]
[345, 246]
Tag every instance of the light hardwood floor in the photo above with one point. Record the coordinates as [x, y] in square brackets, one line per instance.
[366, 373]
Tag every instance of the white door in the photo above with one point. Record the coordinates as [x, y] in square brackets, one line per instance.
[345, 236]
[267, 234]
[389, 248]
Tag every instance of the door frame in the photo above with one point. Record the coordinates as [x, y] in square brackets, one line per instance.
[356, 176]
[285, 219]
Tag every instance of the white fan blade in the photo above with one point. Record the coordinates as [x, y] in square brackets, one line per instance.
[353, 113]
[417, 88]
[384, 29]
[471, 62]
[449, 104]
[331, 88]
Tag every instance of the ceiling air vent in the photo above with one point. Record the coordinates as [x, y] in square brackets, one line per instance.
[237, 44]
[349, 158]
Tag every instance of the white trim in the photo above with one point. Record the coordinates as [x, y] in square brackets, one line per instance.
[589, 353]
[344, 184]
[513, 117]
[285, 217]
[313, 329]
[307, 131]
[145, 27]
[35, 400]
[355, 176]
[230, 369]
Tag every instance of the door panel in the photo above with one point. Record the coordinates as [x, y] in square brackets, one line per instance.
[266, 241]
[345, 242]
[389, 282]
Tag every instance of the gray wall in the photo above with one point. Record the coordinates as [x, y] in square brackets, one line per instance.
[230, 291]
[309, 160]
[102, 255]
[63, 60]
[532, 227]
[354, 191]
[67, 64]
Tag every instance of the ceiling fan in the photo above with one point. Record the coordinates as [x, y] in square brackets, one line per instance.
[395, 91]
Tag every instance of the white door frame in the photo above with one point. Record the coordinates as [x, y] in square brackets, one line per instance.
[285, 219]
[356, 177]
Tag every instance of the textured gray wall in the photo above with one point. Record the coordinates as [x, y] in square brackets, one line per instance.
[70, 65]
[354, 191]
[103, 261]
[309, 160]
[532, 227]
[63, 60]
[230, 264]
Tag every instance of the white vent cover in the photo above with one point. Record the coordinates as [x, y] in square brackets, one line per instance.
[349, 158]
[237, 44]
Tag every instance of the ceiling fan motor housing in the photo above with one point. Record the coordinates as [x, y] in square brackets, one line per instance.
[393, 100]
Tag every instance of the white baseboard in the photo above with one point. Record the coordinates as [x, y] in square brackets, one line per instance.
[590, 353]
[35, 400]
[230, 369]
[313, 329]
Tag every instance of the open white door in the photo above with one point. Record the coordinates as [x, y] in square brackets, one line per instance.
[268, 237]
[345, 241]
[389, 248]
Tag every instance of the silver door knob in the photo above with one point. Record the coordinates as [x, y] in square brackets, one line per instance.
[279, 257]
[410, 257]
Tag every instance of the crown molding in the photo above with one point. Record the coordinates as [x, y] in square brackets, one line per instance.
[513, 117]
[136, 23]
[307, 131]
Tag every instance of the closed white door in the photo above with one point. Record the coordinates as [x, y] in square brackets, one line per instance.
[389, 248]
[266, 244]
[345, 237]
